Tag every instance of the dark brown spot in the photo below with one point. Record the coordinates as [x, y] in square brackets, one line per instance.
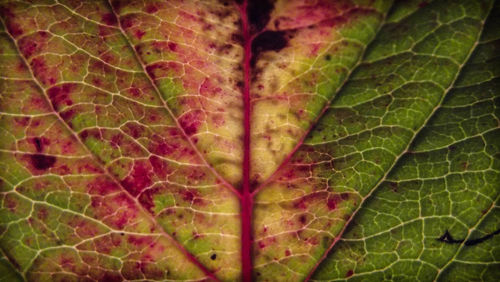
[38, 144]
[109, 19]
[139, 33]
[394, 186]
[42, 162]
[277, 23]
[172, 46]
[127, 22]
[268, 41]
[331, 204]
[138, 179]
[303, 219]
[258, 12]
[423, 4]
[59, 95]
[349, 273]
[237, 38]
[151, 9]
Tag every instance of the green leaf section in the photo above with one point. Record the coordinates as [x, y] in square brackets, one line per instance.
[481, 261]
[436, 215]
[406, 74]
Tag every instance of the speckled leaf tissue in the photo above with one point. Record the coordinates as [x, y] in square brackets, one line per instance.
[277, 140]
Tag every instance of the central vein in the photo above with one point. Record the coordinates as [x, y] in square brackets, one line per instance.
[246, 197]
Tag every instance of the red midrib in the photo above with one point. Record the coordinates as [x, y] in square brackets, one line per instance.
[246, 196]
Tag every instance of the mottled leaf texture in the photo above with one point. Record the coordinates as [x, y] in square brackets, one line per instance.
[250, 140]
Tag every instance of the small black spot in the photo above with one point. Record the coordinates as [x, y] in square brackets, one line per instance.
[254, 183]
[268, 41]
[42, 162]
[258, 12]
[328, 57]
[303, 219]
[225, 49]
[277, 23]
[38, 144]
[122, 234]
[213, 256]
[394, 186]
[223, 14]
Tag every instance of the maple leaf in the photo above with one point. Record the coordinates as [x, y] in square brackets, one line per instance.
[281, 140]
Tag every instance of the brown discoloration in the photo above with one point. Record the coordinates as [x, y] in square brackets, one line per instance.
[258, 12]
[423, 4]
[48, 75]
[109, 19]
[59, 95]
[102, 186]
[146, 198]
[349, 273]
[135, 130]
[151, 8]
[13, 27]
[139, 178]
[191, 122]
[42, 162]
[209, 89]
[139, 33]
[269, 41]
[39, 143]
[128, 22]
[10, 203]
[162, 69]
[34, 44]
[160, 167]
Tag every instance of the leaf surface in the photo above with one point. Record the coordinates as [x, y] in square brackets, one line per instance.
[249, 140]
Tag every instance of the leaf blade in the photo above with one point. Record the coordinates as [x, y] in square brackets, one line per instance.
[105, 135]
[410, 208]
[322, 177]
